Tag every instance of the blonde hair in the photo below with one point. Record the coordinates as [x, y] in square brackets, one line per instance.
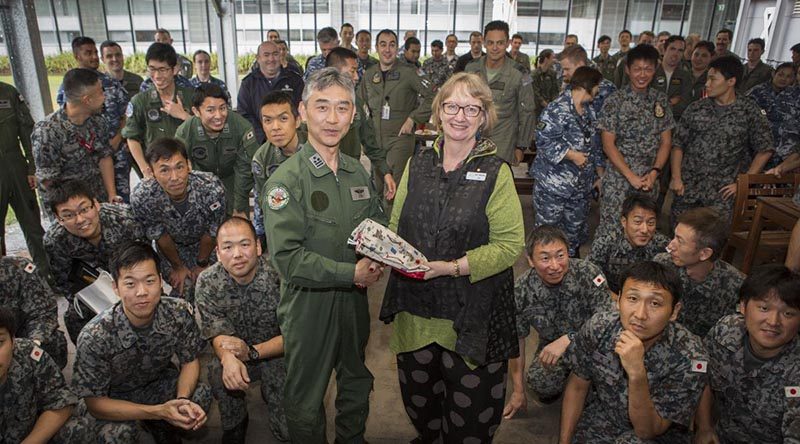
[475, 87]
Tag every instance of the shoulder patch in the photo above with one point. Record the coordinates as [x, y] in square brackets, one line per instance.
[215, 206]
[541, 126]
[36, 353]
[249, 135]
[277, 198]
[598, 280]
[658, 110]
[699, 366]
[792, 391]
[30, 268]
[763, 112]
[129, 110]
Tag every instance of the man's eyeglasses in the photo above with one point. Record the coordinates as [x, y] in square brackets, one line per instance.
[82, 211]
[162, 70]
[452, 109]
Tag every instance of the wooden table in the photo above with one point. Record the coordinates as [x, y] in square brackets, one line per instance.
[779, 211]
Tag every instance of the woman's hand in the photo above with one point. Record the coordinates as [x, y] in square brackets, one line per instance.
[440, 268]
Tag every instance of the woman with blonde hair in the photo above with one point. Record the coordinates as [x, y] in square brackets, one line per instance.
[454, 331]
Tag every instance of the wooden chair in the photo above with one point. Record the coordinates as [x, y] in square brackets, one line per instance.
[749, 188]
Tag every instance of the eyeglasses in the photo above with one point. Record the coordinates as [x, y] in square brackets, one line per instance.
[82, 211]
[452, 109]
[163, 70]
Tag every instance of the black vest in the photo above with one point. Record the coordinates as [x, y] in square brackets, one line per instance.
[444, 216]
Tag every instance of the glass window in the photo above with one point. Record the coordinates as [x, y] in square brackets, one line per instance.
[582, 23]
[640, 16]
[611, 23]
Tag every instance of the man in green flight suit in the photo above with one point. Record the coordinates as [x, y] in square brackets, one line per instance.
[511, 91]
[158, 111]
[17, 179]
[218, 141]
[314, 200]
[390, 90]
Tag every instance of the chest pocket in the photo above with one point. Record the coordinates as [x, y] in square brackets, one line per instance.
[503, 100]
[7, 111]
[228, 158]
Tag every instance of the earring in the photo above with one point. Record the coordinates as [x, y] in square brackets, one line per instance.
[478, 135]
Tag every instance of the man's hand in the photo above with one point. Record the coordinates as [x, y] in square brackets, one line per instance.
[674, 100]
[517, 403]
[389, 186]
[367, 272]
[728, 191]
[236, 346]
[649, 179]
[553, 351]
[407, 128]
[705, 437]
[777, 171]
[32, 182]
[175, 109]
[676, 185]
[577, 157]
[631, 352]
[234, 373]
[637, 182]
[178, 276]
[182, 413]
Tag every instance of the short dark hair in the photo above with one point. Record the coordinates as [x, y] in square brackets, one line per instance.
[198, 52]
[79, 41]
[338, 56]
[729, 66]
[385, 31]
[726, 31]
[363, 31]
[8, 320]
[61, 192]
[708, 46]
[625, 31]
[161, 52]
[411, 41]
[518, 36]
[206, 90]
[544, 54]
[543, 235]
[346, 25]
[585, 77]
[647, 53]
[238, 220]
[663, 33]
[496, 25]
[437, 44]
[795, 47]
[785, 65]
[451, 35]
[164, 148]
[273, 30]
[163, 31]
[77, 81]
[710, 229]
[109, 44]
[575, 36]
[672, 39]
[279, 98]
[576, 54]
[657, 274]
[327, 34]
[639, 200]
[758, 41]
[130, 254]
[772, 279]
[475, 34]
[603, 38]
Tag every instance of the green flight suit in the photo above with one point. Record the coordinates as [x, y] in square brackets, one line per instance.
[680, 85]
[16, 126]
[146, 122]
[362, 134]
[225, 155]
[513, 99]
[324, 318]
[266, 160]
[391, 98]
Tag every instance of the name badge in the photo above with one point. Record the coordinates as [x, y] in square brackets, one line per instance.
[386, 112]
[5, 104]
[359, 193]
[474, 175]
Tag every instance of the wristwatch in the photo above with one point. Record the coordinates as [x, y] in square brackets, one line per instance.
[253, 354]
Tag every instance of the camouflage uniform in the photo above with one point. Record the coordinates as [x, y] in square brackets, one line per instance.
[675, 387]
[65, 250]
[562, 190]
[34, 385]
[225, 155]
[680, 85]
[523, 60]
[514, 101]
[313, 64]
[247, 312]
[363, 64]
[158, 215]
[637, 120]
[555, 311]
[782, 111]
[699, 86]
[717, 143]
[27, 294]
[196, 82]
[606, 65]
[753, 404]
[438, 71]
[63, 151]
[116, 101]
[131, 82]
[613, 253]
[704, 303]
[116, 360]
[146, 122]
[545, 89]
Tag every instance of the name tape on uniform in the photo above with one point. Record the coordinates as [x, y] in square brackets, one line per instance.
[474, 175]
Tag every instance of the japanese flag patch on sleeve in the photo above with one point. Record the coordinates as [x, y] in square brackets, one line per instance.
[36, 354]
[30, 268]
[699, 366]
[599, 280]
[792, 391]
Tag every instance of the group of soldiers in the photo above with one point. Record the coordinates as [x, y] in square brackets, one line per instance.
[656, 332]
